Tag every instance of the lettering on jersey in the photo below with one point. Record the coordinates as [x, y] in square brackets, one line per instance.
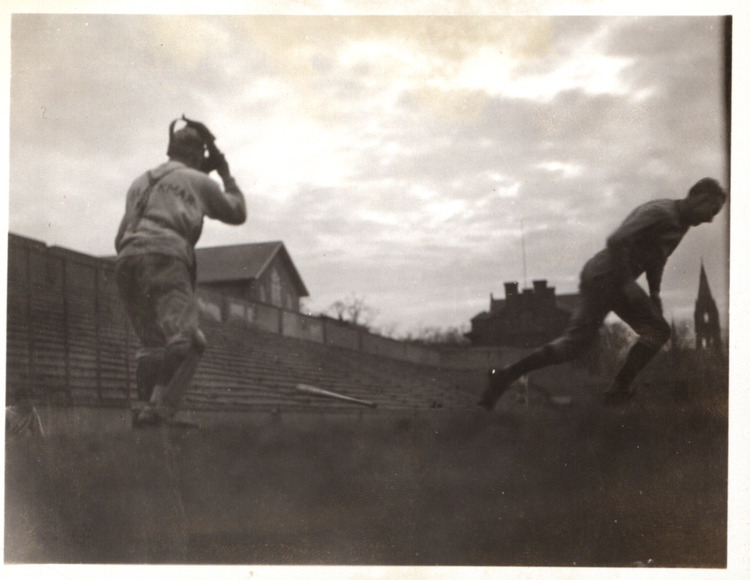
[176, 190]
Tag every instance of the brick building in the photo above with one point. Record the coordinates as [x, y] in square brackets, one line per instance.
[523, 319]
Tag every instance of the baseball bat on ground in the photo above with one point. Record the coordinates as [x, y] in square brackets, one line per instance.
[310, 390]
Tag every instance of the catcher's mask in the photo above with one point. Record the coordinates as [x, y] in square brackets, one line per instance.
[185, 142]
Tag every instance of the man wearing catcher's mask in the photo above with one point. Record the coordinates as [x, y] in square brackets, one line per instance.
[641, 244]
[156, 268]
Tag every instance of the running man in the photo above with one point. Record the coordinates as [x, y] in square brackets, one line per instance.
[642, 244]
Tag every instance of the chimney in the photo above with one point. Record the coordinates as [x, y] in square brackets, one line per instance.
[511, 289]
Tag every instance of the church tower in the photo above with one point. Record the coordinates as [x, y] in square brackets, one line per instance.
[707, 328]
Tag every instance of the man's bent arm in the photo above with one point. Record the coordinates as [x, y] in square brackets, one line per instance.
[620, 242]
[237, 200]
[227, 206]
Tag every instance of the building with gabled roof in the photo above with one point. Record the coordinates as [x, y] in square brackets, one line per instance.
[257, 272]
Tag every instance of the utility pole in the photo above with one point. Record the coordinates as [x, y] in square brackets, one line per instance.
[523, 255]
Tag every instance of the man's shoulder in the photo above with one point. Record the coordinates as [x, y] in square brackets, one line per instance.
[176, 173]
[182, 171]
[661, 203]
[158, 171]
[201, 183]
[665, 207]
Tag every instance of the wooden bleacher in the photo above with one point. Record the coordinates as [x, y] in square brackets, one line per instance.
[245, 368]
[69, 340]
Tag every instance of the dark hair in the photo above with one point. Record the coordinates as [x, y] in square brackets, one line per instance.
[707, 186]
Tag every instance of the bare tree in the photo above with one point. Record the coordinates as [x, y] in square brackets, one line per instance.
[436, 335]
[354, 310]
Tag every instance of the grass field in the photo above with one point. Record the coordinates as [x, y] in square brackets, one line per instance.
[578, 485]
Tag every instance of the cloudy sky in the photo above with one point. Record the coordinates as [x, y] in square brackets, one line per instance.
[412, 161]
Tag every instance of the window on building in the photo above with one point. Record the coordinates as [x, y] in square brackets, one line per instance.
[276, 299]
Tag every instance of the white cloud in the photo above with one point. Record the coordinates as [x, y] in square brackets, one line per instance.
[379, 149]
[544, 73]
[566, 170]
[443, 210]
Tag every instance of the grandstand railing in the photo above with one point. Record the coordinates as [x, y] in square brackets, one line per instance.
[69, 338]
[319, 329]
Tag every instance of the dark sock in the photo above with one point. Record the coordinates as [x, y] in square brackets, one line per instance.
[147, 373]
[536, 359]
[638, 357]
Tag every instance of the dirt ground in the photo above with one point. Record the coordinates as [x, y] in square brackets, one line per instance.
[578, 485]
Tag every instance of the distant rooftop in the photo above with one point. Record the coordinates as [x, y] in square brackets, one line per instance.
[243, 262]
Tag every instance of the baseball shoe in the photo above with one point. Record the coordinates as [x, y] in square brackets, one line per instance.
[618, 395]
[498, 382]
[149, 416]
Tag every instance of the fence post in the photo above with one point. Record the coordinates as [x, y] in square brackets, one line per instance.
[29, 315]
[97, 335]
[65, 314]
[127, 356]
